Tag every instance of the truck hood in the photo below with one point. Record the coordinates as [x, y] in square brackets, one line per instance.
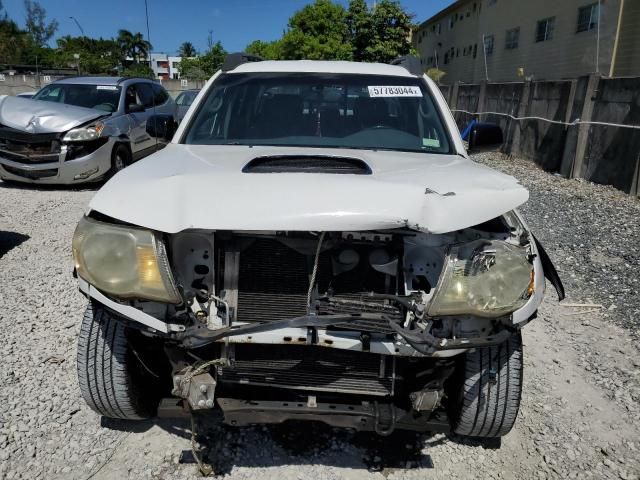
[203, 187]
[37, 116]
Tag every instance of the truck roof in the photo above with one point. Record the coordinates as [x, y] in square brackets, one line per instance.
[315, 66]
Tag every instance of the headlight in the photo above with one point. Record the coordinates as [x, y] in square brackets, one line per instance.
[483, 278]
[125, 262]
[84, 134]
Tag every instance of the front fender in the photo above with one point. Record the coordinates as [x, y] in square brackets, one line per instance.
[549, 269]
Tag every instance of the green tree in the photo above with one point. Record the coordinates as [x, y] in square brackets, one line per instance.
[317, 32]
[324, 30]
[187, 50]
[96, 55]
[266, 50]
[381, 33]
[138, 70]
[359, 24]
[36, 22]
[205, 65]
[436, 74]
[14, 42]
[133, 45]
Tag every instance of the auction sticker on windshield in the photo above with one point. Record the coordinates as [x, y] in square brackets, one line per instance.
[106, 87]
[395, 91]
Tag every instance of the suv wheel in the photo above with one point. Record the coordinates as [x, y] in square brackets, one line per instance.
[489, 390]
[120, 158]
[112, 378]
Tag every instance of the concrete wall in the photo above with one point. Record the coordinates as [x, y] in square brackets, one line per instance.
[174, 87]
[598, 153]
[612, 154]
[567, 54]
[14, 84]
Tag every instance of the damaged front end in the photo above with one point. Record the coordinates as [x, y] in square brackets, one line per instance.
[357, 329]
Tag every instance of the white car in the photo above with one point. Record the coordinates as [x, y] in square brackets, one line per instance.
[313, 244]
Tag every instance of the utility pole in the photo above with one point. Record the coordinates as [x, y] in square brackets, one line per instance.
[146, 11]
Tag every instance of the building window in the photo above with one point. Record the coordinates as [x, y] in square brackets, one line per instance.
[512, 38]
[475, 50]
[488, 44]
[451, 22]
[544, 30]
[588, 17]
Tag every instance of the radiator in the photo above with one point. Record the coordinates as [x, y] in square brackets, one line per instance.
[273, 281]
[310, 368]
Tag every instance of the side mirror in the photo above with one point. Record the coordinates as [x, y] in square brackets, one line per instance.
[485, 135]
[135, 108]
[161, 126]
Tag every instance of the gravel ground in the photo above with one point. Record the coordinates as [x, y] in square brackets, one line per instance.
[580, 416]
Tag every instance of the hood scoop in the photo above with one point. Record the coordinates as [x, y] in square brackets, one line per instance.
[307, 164]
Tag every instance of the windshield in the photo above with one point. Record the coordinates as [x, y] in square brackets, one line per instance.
[186, 98]
[100, 97]
[319, 110]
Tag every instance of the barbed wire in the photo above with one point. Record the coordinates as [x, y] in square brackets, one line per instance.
[577, 121]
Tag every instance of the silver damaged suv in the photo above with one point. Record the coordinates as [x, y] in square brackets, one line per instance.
[313, 244]
[79, 129]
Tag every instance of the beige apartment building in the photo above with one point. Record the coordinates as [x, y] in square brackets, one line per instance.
[534, 39]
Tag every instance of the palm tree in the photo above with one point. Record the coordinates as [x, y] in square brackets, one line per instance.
[187, 50]
[133, 45]
[125, 40]
[140, 47]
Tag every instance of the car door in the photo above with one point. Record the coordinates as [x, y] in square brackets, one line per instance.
[165, 105]
[139, 107]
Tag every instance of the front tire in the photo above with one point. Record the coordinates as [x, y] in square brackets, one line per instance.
[120, 158]
[112, 379]
[489, 389]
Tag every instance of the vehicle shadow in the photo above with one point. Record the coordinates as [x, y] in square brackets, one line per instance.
[82, 187]
[301, 443]
[10, 240]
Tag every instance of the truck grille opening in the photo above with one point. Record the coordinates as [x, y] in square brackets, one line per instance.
[29, 148]
[311, 368]
[273, 281]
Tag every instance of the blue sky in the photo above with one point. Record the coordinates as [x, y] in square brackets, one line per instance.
[234, 22]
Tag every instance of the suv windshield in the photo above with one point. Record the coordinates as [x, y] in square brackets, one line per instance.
[186, 98]
[100, 97]
[320, 110]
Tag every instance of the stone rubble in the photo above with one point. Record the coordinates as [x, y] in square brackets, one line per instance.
[580, 414]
